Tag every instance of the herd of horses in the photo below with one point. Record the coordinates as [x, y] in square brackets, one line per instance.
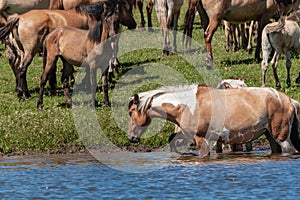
[235, 116]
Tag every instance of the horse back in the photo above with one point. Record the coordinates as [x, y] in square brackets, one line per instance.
[244, 107]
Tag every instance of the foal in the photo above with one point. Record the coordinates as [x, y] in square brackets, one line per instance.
[282, 36]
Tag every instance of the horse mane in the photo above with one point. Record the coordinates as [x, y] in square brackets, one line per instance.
[95, 10]
[294, 16]
[146, 97]
[96, 32]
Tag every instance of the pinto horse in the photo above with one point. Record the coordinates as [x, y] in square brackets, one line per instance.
[233, 116]
[80, 47]
[30, 29]
[234, 11]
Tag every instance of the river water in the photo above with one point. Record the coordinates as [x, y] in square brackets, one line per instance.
[242, 176]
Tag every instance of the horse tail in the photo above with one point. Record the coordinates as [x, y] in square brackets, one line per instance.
[295, 131]
[56, 5]
[275, 27]
[11, 23]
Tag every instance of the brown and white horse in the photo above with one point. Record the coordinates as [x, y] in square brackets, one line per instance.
[233, 116]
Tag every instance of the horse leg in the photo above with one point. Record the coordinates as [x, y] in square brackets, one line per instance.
[202, 145]
[140, 7]
[188, 23]
[275, 147]
[266, 51]
[67, 73]
[105, 87]
[249, 47]
[52, 81]
[261, 24]
[274, 64]
[23, 88]
[49, 65]
[175, 29]
[208, 35]
[228, 35]
[288, 67]
[149, 9]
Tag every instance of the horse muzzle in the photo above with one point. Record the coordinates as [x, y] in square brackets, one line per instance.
[134, 139]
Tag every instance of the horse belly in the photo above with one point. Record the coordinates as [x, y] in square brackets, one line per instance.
[243, 11]
[20, 7]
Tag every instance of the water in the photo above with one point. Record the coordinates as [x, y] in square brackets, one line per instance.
[257, 176]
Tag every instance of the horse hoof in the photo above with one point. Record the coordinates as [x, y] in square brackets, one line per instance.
[165, 52]
[40, 107]
[150, 29]
[27, 95]
[21, 99]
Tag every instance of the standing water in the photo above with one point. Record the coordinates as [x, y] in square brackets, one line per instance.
[250, 176]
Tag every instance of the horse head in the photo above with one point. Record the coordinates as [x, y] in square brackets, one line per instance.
[126, 16]
[139, 119]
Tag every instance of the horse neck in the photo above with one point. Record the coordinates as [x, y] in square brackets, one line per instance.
[170, 105]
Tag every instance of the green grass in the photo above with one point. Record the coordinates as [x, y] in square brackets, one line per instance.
[24, 128]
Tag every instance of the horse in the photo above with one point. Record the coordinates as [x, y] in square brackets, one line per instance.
[10, 7]
[60, 43]
[69, 4]
[179, 135]
[238, 11]
[281, 36]
[167, 12]
[207, 114]
[30, 29]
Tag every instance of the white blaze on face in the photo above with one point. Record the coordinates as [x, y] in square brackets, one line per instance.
[182, 96]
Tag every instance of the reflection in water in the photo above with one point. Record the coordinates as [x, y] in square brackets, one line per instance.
[251, 176]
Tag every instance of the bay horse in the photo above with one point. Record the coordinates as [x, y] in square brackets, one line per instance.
[234, 11]
[69, 4]
[30, 29]
[233, 116]
[281, 36]
[82, 47]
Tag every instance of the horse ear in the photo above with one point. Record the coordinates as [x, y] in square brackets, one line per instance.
[136, 99]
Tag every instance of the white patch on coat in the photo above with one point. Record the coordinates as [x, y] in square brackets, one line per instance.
[186, 97]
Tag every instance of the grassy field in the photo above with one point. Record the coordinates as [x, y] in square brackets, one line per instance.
[23, 128]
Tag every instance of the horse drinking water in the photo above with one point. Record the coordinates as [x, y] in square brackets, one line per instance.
[233, 116]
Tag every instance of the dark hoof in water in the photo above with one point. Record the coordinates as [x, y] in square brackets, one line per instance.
[189, 154]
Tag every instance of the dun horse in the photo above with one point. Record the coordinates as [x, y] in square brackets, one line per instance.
[10, 7]
[80, 47]
[239, 11]
[30, 29]
[233, 116]
[282, 36]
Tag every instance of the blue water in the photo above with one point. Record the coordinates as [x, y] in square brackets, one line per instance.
[85, 178]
